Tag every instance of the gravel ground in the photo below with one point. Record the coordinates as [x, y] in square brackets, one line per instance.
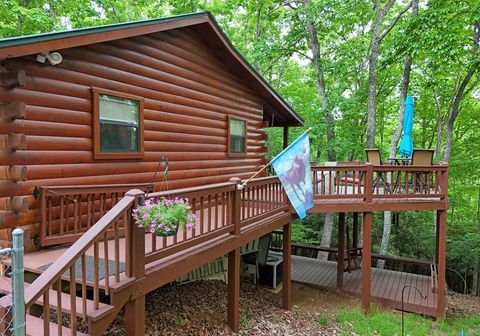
[199, 309]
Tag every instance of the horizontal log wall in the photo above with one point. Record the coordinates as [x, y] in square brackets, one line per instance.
[188, 94]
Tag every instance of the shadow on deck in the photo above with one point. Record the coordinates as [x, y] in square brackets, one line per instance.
[386, 285]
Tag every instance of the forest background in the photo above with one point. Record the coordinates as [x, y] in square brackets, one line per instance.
[346, 67]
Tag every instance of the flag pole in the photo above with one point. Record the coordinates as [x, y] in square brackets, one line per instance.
[241, 186]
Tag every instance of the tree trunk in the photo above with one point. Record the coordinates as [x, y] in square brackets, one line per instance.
[387, 216]
[314, 46]
[454, 108]
[439, 126]
[259, 31]
[476, 262]
[327, 235]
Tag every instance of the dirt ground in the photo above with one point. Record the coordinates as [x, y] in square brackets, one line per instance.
[199, 309]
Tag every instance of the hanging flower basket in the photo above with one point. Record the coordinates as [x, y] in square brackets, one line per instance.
[163, 217]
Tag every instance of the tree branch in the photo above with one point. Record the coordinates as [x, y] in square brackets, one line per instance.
[394, 22]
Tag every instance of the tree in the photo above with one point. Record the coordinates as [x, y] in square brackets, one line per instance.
[407, 68]
[378, 34]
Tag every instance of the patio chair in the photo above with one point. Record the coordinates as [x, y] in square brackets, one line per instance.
[422, 157]
[260, 258]
[212, 268]
[374, 157]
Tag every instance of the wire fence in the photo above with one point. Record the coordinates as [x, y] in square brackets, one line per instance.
[12, 301]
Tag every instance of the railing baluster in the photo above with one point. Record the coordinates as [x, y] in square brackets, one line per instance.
[216, 211]
[105, 257]
[62, 215]
[117, 247]
[244, 191]
[49, 211]
[84, 287]
[209, 216]
[96, 291]
[89, 210]
[77, 199]
[73, 301]
[194, 210]
[202, 215]
[59, 306]
[46, 313]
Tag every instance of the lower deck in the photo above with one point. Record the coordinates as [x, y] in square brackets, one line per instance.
[386, 285]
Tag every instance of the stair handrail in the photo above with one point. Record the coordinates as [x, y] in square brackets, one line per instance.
[74, 252]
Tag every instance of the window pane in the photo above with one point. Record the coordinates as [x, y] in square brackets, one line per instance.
[237, 127]
[118, 138]
[119, 124]
[237, 136]
[118, 109]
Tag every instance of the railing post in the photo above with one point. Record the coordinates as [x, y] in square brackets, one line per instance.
[444, 181]
[135, 263]
[135, 268]
[18, 284]
[369, 182]
[236, 205]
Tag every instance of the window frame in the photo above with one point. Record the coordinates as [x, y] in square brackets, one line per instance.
[236, 155]
[97, 153]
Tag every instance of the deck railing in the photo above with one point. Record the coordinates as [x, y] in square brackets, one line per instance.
[260, 198]
[221, 209]
[68, 211]
[368, 182]
[342, 181]
[78, 266]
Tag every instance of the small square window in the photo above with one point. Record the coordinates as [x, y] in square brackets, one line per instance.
[118, 125]
[237, 137]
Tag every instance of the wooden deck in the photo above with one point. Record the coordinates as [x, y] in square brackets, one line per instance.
[386, 285]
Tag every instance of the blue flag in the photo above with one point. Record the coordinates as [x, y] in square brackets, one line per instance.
[292, 166]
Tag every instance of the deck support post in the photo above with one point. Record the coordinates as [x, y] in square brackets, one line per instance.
[341, 249]
[233, 294]
[355, 231]
[135, 316]
[366, 261]
[441, 248]
[285, 137]
[437, 236]
[287, 266]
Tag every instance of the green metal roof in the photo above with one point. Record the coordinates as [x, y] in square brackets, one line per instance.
[35, 38]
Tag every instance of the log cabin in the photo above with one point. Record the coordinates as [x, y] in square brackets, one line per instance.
[182, 91]
[90, 121]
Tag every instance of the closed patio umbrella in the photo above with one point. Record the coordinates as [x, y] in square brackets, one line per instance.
[406, 145]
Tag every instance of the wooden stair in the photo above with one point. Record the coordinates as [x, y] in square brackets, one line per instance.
[34, 325]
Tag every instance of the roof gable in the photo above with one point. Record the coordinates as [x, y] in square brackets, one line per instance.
[275, 108]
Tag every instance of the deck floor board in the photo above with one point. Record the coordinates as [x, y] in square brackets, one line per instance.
[386, 285]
